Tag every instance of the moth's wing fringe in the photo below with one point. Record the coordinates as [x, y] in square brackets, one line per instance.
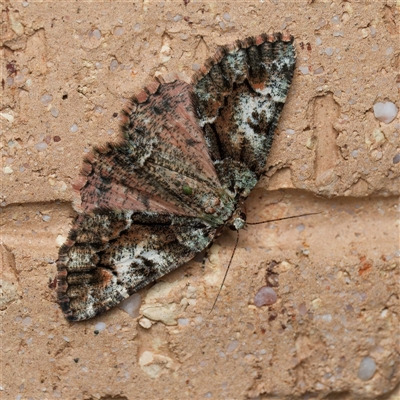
[62, 273]
[126, 115]
[240, 44]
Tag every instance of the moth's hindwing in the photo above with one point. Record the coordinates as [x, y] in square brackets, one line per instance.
[110, 255]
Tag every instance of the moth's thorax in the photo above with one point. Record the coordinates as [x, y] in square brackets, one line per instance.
[238, 218]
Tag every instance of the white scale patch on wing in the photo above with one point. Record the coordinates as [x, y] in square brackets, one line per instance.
[196, 240]
[131, 259]
[79, 258]
[247, 105]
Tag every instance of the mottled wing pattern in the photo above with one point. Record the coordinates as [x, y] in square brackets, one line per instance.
[161, 157]
[110, 255]
[189, 156]
[241, 92]
[143, 204]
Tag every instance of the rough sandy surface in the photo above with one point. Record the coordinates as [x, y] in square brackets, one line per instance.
[67, 70]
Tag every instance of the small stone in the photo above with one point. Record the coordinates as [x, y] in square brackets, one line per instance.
[326, 318]
[379, 137]
[8, 117]
[145, 323]
[300, 227]
[265, 297]
[226, 16]
[396, 158]
[46, 99]
[367, 368]
[96, 34]
[183, 321]
[46, 218]
[54, 112]
[329, 51]
[118, 31]
[165, 53]
[100, 326]
[302, 309]
[146, 358]
[165, 313]
[284, 266]
[385, 112]
[154, 364]
[62, 186]
[114, 65]
[304, 70]
[41, 146]
[60, 240]
[316, 303]
[389, 51]
[335, 20]
[232, 346]
[74, 128]
[319, 71]
[131, 305]
[16, 26]
[7, 170]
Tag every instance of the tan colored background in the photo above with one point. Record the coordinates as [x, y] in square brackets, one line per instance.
[67, 70]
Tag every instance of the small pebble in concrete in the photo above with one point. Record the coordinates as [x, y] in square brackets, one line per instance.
[74, 128]
[367, 368]
[265, 297]
[46, 99]
[41, 146]
[100, 326]
[385, 112]
[131, 305]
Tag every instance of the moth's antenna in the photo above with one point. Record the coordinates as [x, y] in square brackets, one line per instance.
[281, 219]
[237, 241]
[226, 272]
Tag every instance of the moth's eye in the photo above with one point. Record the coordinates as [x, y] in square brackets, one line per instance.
[187, 190]
[243, 216]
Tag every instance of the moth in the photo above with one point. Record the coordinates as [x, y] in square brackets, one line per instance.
[189, 156]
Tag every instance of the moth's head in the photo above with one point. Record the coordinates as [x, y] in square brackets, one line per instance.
[238, 220]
